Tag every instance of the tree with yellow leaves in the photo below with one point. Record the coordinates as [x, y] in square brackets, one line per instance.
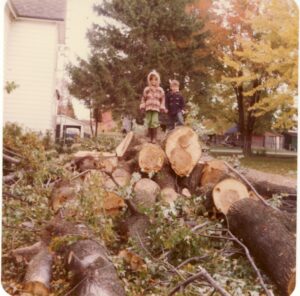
[265, 62]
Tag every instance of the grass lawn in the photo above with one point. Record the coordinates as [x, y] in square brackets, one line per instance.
[286, 166]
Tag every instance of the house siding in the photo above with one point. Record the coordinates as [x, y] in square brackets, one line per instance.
[30, 61]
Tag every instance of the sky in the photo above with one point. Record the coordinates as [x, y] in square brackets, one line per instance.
[80, 17]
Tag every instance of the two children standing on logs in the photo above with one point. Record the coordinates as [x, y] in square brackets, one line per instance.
[154, 101]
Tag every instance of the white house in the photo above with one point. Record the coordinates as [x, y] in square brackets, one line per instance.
[34, 32]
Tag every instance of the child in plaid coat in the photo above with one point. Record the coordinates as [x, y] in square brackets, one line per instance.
[153, 102]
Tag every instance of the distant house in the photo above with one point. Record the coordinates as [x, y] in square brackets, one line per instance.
[291, 139]
[34, 32]
[70, 127]
[269, 140]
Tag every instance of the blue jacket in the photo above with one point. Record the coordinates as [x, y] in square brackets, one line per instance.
[174, 103]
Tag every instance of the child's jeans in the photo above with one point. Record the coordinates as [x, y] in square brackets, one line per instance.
[175, 119]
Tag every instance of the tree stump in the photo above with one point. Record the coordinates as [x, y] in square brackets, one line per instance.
[183, 150]
[268, 238]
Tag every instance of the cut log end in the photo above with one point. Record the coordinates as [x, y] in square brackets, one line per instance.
[36, 288]
[151, 158]
[113, 204]
[227, 192]
[146, 192]
[183, 150]
[181, 161]
[292, 283]
[213, 172]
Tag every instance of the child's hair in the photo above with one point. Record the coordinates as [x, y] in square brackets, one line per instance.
[174, 82]
[152, 76]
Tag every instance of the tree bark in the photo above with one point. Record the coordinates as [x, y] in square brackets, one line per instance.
[265, 232]
[247, 150]
[240, 102]
[38, 273]
[268, 184]
[94, 273]
[192, 182]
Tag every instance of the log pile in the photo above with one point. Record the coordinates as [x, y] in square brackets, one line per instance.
[174, 167]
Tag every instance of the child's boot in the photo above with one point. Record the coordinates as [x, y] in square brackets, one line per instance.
[154, 135]
[149, 133]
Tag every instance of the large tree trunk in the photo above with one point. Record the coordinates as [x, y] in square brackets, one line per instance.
[267, 234]
[268, 184]
[240, 102]
[94, 273]
[247, 143]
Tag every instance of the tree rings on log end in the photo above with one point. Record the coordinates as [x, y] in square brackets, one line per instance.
[180, 161]
[213, 172]
[113, 203]
[146, 192]
[121, 176]
[227, 192]
[183, 150]
[36, 288]
[151, 158]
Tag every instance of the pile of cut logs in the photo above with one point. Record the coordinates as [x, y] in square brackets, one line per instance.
[177, 167]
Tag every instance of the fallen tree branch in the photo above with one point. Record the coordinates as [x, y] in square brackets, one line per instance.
[249, 184]
[20, 228]
[202, 274]
[196, 258]
[11, 159]
[10, 177]
[28, 252]
[9, 151]
[80, 174]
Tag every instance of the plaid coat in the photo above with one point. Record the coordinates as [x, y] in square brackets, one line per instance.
[153, 99]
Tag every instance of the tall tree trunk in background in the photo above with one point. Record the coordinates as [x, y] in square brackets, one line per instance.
[247, 149]
[97, 120]
[241, 111]
[96, 127]
[91, 121]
